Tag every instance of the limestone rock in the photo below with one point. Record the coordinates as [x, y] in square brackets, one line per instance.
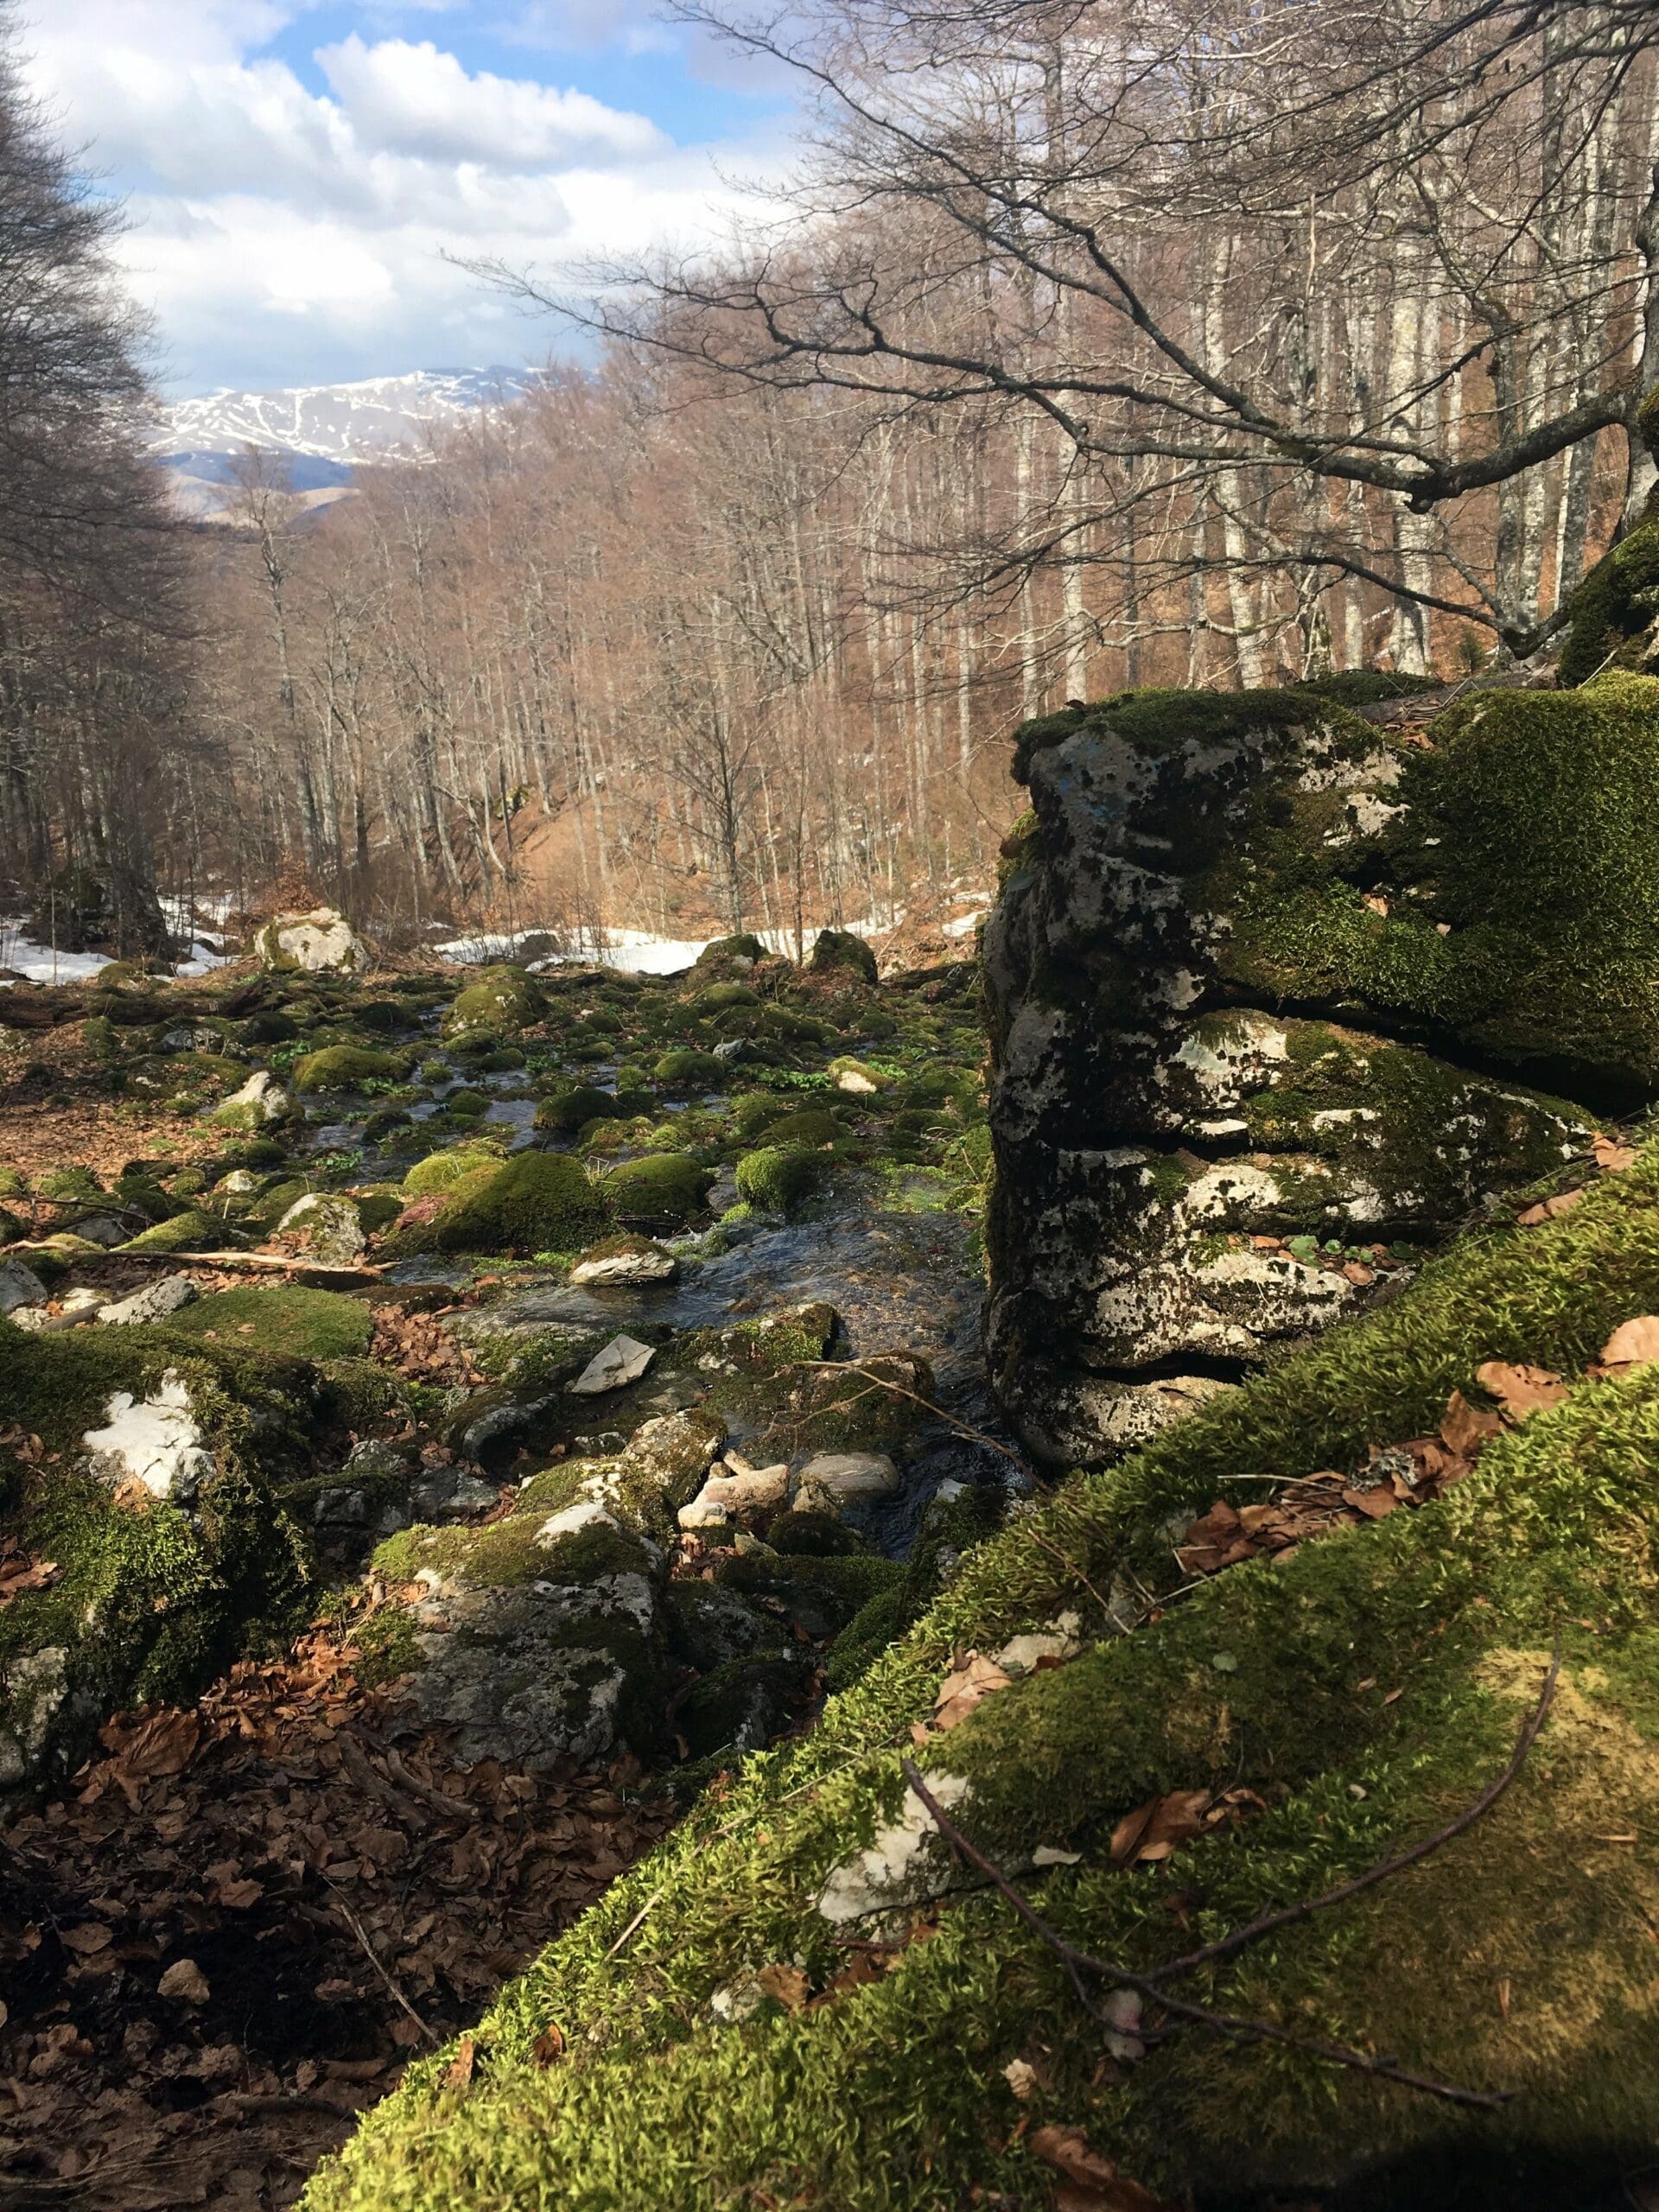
[154, 1440]
[260, 1102]
[622, 1361]
[331, 1227]
[317, 942]
[638, 1261]
[832, 1479]
[156, 1301]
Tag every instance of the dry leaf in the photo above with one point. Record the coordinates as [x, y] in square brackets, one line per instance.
[184, 1979]
[1611, 1157]
[787, 1985]
[548, 2045]
[965, 1687]
[1550, 1210]
[85, 1941]
[1633, 1344]
[1521, 1390]
[459, 2072]
[1464, 1428]
[1160, 1826]
[1091, 2182]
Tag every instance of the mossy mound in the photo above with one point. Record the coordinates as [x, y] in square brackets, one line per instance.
[1366, 1689]
[777, 1177]
[182, 1232]
[570, 1110]
[682, 1071]
[536, 1202]
[346, 1067]
[735, 954]
[503, 1001]
[1615, 611]
[664, 1187]
[292, 1323]
[841, 951]
[441, 1171]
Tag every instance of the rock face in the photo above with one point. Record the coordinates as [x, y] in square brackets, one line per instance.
[1254, 976]
[321, 940]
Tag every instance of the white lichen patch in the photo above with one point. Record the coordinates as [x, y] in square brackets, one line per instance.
[886, 1874]
[155, 1440]
[35, 1684]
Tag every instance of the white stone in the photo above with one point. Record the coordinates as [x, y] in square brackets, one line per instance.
[1061, 1639]
[153, 1303]
[19, 1286]
[321, 939]
[859, 1085]
[755, 1489]
[884, 1876]
[836, 1478]
[651, 1266]
[81, 1302]
[623, 1361]
[263, 1096]
[154, 1440]
[703, 1512]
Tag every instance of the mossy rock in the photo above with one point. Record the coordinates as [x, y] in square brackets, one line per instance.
[69, 1183]
[813, 1126]
[663, 1186]
[536, 1202]
[188, 1231]
[151, 1599]
[501, 1002]
[274, 1027]
[682, 1071]
[1615, 611]
[346, 1067]
[777, 1177]
[841, 951]
[1367, 1688]
[441, 1171]
[722, 953]
[568, 1111]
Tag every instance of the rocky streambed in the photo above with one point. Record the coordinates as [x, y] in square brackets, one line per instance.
[586, 1370]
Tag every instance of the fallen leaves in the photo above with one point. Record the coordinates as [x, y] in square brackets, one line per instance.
[787, 1985]
[185, 1980]
[1633, 1344]
[1154, 1830]
[1089, 2181]
[419, 1346]
[21, 1570]
[970, 1682]
[1548, 1210]
[460, 2070]
[1611, 1157]
[1522, 1391]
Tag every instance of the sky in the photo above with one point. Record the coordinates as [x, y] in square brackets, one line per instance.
[293, 172]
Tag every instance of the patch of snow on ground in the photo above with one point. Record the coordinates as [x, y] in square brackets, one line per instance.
[43, 963]
[637, 952]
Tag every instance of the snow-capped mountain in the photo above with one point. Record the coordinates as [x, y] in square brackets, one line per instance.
[322, 431]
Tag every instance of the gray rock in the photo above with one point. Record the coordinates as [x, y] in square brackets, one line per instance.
[734, 1050]
[20, 1286]
[648, 1264]
[832, 1479]
[451, 1494]
[260, 1101]
[102, 1228]
[624, 1360]
[332, 1228]
[315, 942]
[501, 1410]
[167, 1294]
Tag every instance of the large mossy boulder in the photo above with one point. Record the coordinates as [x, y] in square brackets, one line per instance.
[667, 1187]
[500, 1002]
[1265, 979]
[154, 1500]
[535, 1202]
[839, 951]
[320, 942]
[1364, 1691]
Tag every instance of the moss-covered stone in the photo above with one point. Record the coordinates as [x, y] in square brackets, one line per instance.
[682, 1071]
[1615, 611]
[346, 1067]
[183, 1232]
[777, 1177]
[570, 1110]
[535, 1202]
[291, 1322]
[840, 951]
[500, 1003]
[441, 1171]
[663, 1186]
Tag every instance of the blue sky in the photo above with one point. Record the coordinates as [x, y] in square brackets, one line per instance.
[294, 174]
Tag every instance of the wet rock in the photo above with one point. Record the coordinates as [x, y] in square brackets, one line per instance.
[495, 1414]
[634, 1260]
[167, 1294]
[316, 942]
[20, 1286]
[624, 1360]
[832, 1479]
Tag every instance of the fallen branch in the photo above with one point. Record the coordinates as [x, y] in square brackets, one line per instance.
[961, 1429]
[366, 1273]
[1149, 1984]
[376, 1961]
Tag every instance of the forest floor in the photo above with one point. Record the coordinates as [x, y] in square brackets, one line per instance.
[228, 1918]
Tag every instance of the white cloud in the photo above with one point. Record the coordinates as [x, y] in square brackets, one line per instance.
[282, 234]
[417, 100]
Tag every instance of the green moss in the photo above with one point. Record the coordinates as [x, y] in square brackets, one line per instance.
[345, 1067]
[777, 1177]
[183, 1232]
[441, 1171]
[297, 1324]
[841, 951]
[536, 1202]
[723, 951]
[569, 1110]
[502, 1002]
[682, 1071]
[664, 1187]
[1614, 609]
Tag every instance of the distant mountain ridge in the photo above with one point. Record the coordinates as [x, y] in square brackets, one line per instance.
[322, 431]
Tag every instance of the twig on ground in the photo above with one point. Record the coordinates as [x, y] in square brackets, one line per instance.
[637, 1922]
[1150, 1982]
[962, 1427]
[376, 1961]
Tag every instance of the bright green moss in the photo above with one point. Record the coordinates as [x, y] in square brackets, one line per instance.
[569, 1110]
[441, 1171]
[183, 1232]
[1614, 609]
[779, 1177]
[502, 1002]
